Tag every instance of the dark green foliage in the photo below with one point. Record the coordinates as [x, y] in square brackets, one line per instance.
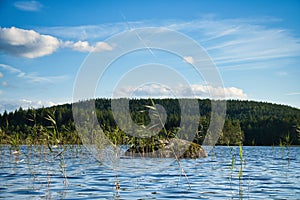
[265, 123]
[247, 122]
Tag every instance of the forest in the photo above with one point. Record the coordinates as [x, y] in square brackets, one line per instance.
[246, 123]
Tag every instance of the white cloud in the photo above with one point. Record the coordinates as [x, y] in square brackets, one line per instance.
[81, 46]
[189, 59]
[84, 46]
[28, 5]
[26, 43]
[102, 46]
[11, 105]
[1, 75]
[31, 44]
[217, 92]
[194, 90]
[32, 77]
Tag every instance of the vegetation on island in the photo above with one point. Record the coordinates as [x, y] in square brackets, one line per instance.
[246, 123]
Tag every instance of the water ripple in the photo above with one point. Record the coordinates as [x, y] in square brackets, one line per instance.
[265, 174]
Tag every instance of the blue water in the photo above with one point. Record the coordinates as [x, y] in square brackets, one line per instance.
[264, 173]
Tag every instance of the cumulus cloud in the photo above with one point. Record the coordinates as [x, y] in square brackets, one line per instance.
[26, 43]
[191, 91]
[80, 46]
[11, 105]
[28, 5]
[84, 46]
[31, 44]
[218, 92]
[189, 59]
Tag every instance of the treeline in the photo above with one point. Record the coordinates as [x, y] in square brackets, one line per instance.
[247, 123]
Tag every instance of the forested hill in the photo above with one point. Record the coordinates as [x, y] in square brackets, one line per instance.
[247, 122]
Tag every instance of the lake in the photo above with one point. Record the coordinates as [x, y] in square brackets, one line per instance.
[263, 173]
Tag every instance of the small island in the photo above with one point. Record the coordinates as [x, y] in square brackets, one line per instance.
[174, 148]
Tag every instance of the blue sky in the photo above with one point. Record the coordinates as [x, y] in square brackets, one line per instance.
[255, 46]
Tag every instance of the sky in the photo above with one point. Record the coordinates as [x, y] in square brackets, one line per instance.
[254, 45]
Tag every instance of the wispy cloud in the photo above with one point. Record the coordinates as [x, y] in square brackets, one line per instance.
[282, 73]
[31, 6]
[32, 77]
[243, 43]
[233, 44]
[85, 32]
[1, 75]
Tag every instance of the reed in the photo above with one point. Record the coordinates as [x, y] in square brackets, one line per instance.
[14, 142]
[46, 143]
[233, 167]
[285, 144]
